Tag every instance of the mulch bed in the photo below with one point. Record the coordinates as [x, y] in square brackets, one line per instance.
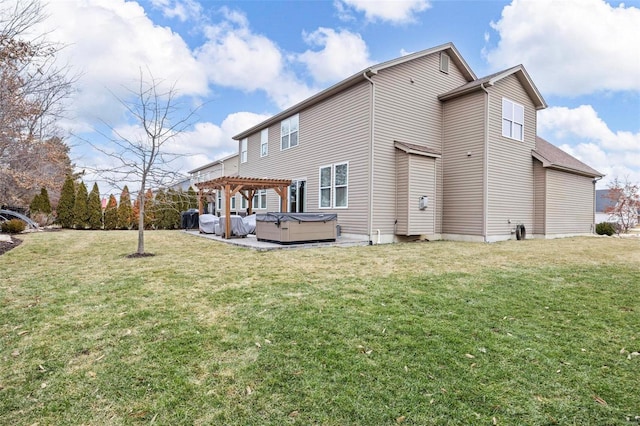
[5, 246]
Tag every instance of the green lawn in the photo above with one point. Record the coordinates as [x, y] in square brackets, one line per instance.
[521, 332]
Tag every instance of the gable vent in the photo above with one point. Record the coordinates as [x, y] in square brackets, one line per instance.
[444, 62]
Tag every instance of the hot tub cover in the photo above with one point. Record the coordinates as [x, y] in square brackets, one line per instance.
[296, 217]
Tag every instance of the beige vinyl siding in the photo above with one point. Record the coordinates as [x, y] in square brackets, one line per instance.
[402, 197]
[230, 167]
[569, 203]
[510, 175]
[539, 190]
[407, 110]
[464, 174]
[416, 177]
[333, 131]
[422, 181]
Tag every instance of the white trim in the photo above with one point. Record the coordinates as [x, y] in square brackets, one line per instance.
[264, 142]
[320, 187]
[243, 150]
[513, 123]
[288, 121]
[345, 186]
[332, 186]
[257, 200]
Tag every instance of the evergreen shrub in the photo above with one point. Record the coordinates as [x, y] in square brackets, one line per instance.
[13, 226]
[605, 228]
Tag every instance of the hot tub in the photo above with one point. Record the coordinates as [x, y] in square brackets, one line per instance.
[286, 228]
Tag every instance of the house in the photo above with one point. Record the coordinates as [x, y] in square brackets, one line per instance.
[605, 201]
[419, 147]
[226, 166]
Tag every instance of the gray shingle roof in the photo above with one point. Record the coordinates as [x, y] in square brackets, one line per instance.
[553, 157]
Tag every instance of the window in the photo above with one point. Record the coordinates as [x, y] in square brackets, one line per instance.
[297, 196]
[512, 120]
[260, 199]
[325, 187]
[334, 180]
[264, 143]
[340, 184]
[289, 132]
[444, 62]
[243, 150]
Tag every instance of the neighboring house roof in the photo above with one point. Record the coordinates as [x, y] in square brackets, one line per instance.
[411, 148]
[449, 48]
[213, 163]
[490, 80]
[553, 157]
[603, 201]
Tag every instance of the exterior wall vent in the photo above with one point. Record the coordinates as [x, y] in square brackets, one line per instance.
[444, 63]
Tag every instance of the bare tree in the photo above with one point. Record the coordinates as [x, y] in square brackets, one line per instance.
[145, 159]
[625, 204]
[33, 90]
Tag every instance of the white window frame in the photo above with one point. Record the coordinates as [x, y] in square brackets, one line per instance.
[512, 119]
[333, 186]
[264, 142]
[243, 150]
[344, 185]
[326, 187]
[260, 199]
[286, 132]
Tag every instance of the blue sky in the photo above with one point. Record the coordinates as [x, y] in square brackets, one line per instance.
[250, 59]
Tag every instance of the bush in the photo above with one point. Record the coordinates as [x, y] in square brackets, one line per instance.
[13, 226]
[605, 228]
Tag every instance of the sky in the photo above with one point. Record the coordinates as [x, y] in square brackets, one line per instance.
[240, 62]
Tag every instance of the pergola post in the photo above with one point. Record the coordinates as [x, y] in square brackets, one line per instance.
[227, 211]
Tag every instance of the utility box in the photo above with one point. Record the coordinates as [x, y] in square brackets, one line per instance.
[423, 202]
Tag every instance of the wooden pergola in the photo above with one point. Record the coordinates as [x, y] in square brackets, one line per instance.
[247, 187]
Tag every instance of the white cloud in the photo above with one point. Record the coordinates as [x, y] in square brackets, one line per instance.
[394, 11]
[583, 134]
[343, 53]
[236, 57]
[108, 42]
[570, 47]
[204, 143]
[181, 9]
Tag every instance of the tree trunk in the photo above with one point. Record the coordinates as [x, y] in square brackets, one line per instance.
[141, 223]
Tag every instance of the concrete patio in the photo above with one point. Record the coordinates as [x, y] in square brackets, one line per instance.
[250, 241]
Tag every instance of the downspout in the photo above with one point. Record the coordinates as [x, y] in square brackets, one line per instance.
[372, 103]
[595, 201]
[485, 189]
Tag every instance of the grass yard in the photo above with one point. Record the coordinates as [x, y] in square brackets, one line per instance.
[521, 332]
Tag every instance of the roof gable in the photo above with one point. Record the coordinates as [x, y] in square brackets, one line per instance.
[553, 157]
[519, 71]
[363, 75]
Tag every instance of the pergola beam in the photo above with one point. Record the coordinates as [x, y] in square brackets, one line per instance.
[231, 185]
